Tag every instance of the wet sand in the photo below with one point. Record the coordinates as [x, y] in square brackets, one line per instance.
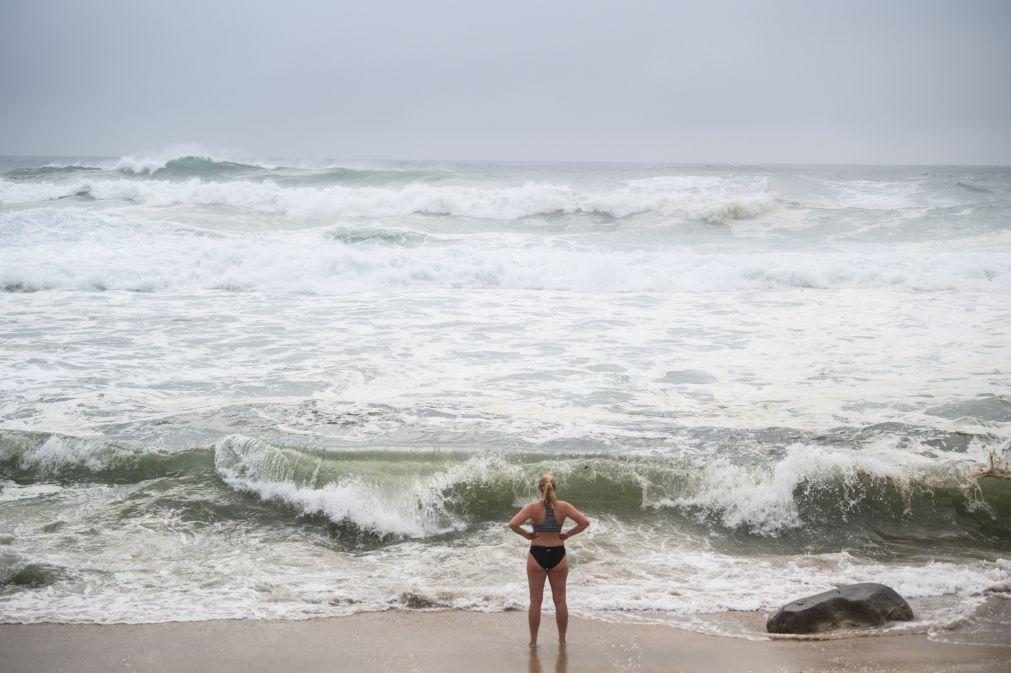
[450, 641]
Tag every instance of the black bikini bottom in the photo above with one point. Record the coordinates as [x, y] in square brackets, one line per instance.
[547, 557]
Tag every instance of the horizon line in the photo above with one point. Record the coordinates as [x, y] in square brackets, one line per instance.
[663, 162]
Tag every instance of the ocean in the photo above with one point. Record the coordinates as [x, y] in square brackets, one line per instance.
[235, 388]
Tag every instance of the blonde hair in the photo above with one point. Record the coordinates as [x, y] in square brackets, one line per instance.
[546, 486]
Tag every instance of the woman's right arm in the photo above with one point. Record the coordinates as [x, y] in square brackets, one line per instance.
[517, 521]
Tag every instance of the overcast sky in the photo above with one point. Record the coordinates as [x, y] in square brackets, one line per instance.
[885, 81]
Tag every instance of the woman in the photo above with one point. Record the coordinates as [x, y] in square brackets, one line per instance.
[547, 558]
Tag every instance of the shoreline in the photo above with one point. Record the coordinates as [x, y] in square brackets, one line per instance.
[452, 640]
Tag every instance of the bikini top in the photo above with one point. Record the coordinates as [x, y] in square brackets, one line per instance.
[549, 525]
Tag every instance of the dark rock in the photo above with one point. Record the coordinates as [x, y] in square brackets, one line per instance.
[866, 604]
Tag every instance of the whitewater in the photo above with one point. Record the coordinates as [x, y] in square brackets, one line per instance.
[241, 388]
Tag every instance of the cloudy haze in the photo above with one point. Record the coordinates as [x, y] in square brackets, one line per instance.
[859, 82]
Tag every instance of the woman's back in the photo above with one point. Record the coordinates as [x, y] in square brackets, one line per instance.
[548, 525]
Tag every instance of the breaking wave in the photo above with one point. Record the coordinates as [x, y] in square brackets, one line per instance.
[187, 159]
[29, 456]
[493, 203]
[824, 492]
[193, 162]
[368, 498]
[187, 166]
[47, 172]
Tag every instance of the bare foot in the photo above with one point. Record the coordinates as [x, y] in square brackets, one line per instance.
[561, 644]
[533, 646]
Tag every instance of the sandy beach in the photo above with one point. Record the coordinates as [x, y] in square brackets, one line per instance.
[449, 641]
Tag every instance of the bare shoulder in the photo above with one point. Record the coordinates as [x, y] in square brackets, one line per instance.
[569, 510]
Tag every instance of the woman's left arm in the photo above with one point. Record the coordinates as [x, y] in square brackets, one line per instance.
[517, 521]
[581, 522]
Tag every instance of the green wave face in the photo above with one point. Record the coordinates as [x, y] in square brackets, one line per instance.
[195, 166]
[389, 494]
[48, 172]
[208, 168]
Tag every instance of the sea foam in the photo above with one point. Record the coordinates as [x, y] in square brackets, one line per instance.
[53, 248]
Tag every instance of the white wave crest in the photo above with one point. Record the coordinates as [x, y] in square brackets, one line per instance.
[148, 164]
[765, 500]
[23, 192]
[50, 455]
[413, 508]
[493, 203]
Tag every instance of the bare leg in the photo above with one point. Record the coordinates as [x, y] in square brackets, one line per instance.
[557, 576]
[535, 578]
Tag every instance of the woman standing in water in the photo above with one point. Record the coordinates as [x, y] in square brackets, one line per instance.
[547, 557]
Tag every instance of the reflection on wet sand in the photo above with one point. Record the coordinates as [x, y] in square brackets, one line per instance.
[561, 662]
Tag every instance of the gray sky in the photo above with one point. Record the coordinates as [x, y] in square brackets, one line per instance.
[885, 81]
